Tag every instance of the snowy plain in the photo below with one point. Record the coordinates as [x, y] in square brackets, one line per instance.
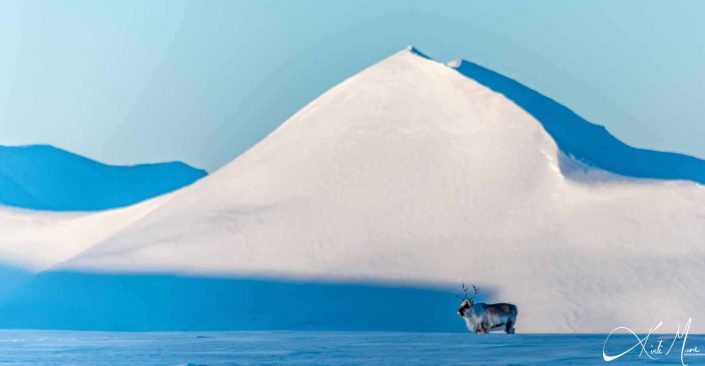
[314, 348]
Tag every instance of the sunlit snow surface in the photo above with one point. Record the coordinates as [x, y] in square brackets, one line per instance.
[314, 348]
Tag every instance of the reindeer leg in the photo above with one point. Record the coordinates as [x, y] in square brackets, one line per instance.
[510, 324]
[486, 327]
[509, 329]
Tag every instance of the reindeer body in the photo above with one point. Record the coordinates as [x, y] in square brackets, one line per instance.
[482, 318]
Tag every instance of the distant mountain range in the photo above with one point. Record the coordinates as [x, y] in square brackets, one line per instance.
[43, 177]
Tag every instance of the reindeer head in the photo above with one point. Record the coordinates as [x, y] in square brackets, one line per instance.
[467, 302]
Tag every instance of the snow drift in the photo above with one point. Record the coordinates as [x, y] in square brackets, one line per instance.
[411, 173]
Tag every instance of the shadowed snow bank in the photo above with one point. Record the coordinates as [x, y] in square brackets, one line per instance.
[73, 300]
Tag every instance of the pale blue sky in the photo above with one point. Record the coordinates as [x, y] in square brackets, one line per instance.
[201, 81]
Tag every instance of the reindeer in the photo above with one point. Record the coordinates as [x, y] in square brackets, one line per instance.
[482, 318]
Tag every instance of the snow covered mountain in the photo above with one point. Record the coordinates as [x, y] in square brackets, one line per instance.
[46, 178]
[367, 206]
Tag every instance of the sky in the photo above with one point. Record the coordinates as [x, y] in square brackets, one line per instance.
[128, 82]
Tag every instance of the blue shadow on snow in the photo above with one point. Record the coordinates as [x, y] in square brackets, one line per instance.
[150, 302]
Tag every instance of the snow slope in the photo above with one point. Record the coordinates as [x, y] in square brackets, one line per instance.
[46, 178]
[37, 240]
[410, 172]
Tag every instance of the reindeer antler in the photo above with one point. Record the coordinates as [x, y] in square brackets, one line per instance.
[475, 291]
[465, 292]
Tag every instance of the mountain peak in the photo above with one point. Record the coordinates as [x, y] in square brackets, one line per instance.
[415, 51]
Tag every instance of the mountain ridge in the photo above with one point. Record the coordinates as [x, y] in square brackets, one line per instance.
[586, 141]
